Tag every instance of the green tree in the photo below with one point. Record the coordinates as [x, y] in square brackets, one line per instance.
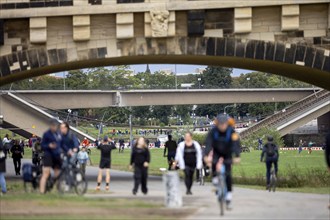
[216, 77]
[162, 113]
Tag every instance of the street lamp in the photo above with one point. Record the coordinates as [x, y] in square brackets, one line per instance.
[248, 79]
[199, 83]
[228, 106]
[69, 112]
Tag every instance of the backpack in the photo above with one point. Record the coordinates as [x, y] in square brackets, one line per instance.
[270, 150]
[27, 170]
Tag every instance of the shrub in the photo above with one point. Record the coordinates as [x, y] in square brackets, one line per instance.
[252, 140]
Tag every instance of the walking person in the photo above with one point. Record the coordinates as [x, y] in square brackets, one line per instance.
[270, 151]
[51, 146]
[83, 158]
[105, 162]
[7, 144]
[300, 147]
[17, 154]
[170, 146]
[3, 156]
[189, 157]
[140, 159]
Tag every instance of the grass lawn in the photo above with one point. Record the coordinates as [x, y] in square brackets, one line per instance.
[290, 163]
[19, 205]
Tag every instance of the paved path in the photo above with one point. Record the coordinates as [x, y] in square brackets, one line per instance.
[248, 203]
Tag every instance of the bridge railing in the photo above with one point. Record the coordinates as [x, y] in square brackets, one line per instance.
[292, 111]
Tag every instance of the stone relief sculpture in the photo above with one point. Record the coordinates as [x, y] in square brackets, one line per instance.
[159, 23]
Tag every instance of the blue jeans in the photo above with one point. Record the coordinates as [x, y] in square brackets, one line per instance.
[3, 182]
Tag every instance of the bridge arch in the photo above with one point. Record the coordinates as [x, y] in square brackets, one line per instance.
[301, 62]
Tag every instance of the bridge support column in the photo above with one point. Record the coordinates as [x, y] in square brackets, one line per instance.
[38, 30]
[290, 17]
[323, 123]
[81, 27]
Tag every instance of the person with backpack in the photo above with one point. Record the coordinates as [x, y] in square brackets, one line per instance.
[189, 157]
[222, 142]
[17, 154]
[51, 146]
[271, 154]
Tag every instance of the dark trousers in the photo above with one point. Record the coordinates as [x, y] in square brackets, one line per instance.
[170, 159]
[269, 162]
[188, 177]
[17, 165]
[140, 177]
[229, 179]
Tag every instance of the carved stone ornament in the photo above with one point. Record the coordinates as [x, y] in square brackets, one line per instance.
[159, 23]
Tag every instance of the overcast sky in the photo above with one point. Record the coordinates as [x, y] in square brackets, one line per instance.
[180, 68]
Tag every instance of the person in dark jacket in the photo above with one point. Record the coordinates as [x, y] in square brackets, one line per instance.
[327, 151]
[51, 146]
[105, 162]
[140, 159]
[170, 146]
[270, 152]
[3, 156]
[222, 142]
[17, 154]
[70, 143]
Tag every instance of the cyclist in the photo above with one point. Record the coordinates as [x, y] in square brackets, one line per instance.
[223, 141]
[70, 143]
[170, 146]
[189, 157]
[271, 151]
[51, 145]
[105, 163]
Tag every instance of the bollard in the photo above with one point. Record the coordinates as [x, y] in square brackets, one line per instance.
[173, 197]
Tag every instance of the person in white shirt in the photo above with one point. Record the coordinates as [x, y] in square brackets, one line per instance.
[189, 157]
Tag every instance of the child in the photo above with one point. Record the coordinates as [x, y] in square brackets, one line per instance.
[82, 159]
[140, 158]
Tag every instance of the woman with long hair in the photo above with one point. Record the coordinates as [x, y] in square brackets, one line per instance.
[140, 158]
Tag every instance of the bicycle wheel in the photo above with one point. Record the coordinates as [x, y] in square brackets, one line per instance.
[274, 183]
[81, 183]
[63, 183]
[221, 196]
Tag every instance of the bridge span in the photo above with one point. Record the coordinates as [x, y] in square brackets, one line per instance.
[79, 99]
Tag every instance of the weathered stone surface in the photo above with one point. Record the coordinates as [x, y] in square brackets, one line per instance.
[243, 20]
[38, 30]
[240, 49]
[290, 52]
[319, 58]
[221, 47]
[43, 58]
[33, 58]
[309, 58]
[270, 49]
[250, 49]
[260, 50]
[280, 51]
[300, 53]
[230, 47]
[81, 28]
[210, 48]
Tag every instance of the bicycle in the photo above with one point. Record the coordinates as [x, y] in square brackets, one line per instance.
[273, 181]
[70, 177]
[221, 185]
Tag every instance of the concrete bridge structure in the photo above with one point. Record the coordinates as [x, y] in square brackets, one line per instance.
[285, 37]
[83, 99]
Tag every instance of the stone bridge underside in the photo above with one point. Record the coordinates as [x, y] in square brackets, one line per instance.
[276, 36]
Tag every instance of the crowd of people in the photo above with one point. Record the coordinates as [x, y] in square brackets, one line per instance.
[222, 146]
